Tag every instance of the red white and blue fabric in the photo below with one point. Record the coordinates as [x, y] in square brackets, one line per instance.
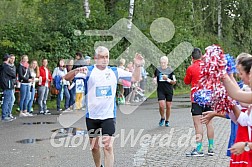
[210, 90]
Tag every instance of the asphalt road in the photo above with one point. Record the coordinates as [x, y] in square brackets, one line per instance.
[40, 141]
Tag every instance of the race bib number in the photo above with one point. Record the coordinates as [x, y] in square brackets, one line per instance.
[79, 86]
[103, 91]
[161, 77]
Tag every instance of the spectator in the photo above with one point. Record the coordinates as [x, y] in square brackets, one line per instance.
[25, 78]
[45, 80]
[35, 75]
[72, 92]
[69, 65]
[12, 63]
[8, 74]
[87, 60]
[79, 60]
[122, 64]
[62, 71]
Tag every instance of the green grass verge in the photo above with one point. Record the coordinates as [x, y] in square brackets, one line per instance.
[51, 104]
[177, 91]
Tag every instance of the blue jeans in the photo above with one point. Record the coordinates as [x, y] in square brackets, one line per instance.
[72, 96]
[25, 95]
[67, 97]
[30, 103]
[42, 93]
[8, 102]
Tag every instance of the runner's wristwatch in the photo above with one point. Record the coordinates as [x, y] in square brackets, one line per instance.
[246, 147]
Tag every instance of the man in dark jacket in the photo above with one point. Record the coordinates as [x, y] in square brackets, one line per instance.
[12, 64]
[8, 74]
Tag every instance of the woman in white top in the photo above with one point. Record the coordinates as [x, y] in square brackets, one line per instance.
[65, 85]
[34, 69]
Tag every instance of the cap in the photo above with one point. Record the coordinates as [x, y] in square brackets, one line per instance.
[6, 56]
[87, 57]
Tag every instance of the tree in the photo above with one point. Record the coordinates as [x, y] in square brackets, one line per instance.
[131, 13]
[219, 20]
[86, 8]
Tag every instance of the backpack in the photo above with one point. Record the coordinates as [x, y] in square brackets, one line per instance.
[57, 81]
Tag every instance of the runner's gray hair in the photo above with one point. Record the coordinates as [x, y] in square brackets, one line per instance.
[101, 49]
[164, 58]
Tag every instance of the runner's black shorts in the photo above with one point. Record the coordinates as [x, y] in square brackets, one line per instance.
[95, 126]
[198, 110]
[162, 95]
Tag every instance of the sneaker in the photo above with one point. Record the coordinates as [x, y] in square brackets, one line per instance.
[167, 123]
[47, 112]
[195, 153]
[29, 114]
[12, 117]
[41, 112]
[161, 122]
[22, 114]
[67, 110]
[7, 119]
[210, 152]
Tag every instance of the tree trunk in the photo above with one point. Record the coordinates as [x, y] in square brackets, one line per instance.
[192, 12]
[86, 8]
[219, 20]
[131, 12]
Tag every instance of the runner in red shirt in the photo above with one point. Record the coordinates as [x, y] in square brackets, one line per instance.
[192, 77]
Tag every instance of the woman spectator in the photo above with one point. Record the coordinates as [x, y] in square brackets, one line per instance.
[25, 79]
[244, 130]
[65, 85]
[127, 88]
[69, 65]
[72, 92]
[120, 85]
[34, 69]
[122, 64]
